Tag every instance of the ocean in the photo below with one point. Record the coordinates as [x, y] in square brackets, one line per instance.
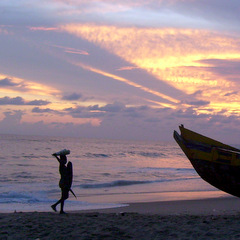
[107, 173]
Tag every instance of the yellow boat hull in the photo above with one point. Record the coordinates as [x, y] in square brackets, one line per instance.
[215, 162]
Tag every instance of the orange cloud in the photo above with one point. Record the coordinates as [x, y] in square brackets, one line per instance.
[43, 28]
[14, 87]
[48, 118]
[22, 86]
[173, 101]
[127, 68]
[72, 50]
[172, 55]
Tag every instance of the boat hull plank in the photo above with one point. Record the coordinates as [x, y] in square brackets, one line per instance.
[221, 176]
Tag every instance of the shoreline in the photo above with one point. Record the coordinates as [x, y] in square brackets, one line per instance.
[103, 202]
[126, 198]
[201, 206]
[207, 206]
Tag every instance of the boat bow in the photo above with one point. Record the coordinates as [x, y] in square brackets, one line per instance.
[215, 162]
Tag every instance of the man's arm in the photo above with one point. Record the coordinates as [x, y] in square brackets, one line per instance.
[55, 155]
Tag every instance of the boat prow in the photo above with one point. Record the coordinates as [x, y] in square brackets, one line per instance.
[217, 163]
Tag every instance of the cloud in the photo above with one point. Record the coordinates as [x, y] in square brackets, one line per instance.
[197, 102]
[45, 110]
[155, 12]
[194, 61]
[43, 28]
[72, 97]
[11, 119]
[96, 111]
[108, 111]
[112, 108]
[71, 50]
[169, 99]
[188, 13]
[7, 82]
[117, 107]
[231, 93]
[180, 50]
[197, 93]
[21, 101]
[3, 30]
[84, 112]
[15, 84]
[227, 68]
[121, 122]
[127, 68]
[133, 55]
[221, 12]
[12, 101]
[37, 102]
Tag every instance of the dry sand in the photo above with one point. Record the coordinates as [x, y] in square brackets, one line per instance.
[192, 219]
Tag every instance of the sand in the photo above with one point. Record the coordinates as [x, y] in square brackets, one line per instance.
[217, 218]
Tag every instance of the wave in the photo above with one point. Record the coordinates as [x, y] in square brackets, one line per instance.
[97, 155]
[124, 154]
[167, 169]
[17, 197]
[166, 172]
[147, 154]
[120, 183]
[116, 183]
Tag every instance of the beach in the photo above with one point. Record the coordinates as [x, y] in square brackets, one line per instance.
[215, 218]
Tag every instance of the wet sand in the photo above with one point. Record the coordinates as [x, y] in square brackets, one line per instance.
[217, 218]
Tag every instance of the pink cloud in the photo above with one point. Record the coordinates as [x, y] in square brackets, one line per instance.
[43, 28]
[127, 68]
[3, 29]
[72, 50]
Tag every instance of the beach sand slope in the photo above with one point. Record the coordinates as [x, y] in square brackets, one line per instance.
[118, 226]
[192, 219]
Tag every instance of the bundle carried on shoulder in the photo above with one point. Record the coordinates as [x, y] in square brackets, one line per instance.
[62, 152]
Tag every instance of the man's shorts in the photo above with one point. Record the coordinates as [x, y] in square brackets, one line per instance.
[65, 193]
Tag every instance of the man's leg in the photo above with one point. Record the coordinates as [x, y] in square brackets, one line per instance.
[65, 195]
[62, 206]
[55, 205]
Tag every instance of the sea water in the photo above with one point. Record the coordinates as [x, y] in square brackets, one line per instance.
[107, 173]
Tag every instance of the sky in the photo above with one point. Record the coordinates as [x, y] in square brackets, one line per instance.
[120, 69]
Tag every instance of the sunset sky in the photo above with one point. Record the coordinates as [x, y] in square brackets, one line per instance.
[120, 69]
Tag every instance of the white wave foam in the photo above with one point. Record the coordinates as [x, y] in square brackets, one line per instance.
[21, 197]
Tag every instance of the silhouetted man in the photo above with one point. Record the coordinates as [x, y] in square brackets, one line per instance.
[64, 182]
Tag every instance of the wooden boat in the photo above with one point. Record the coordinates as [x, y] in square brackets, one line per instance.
[215, 162]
